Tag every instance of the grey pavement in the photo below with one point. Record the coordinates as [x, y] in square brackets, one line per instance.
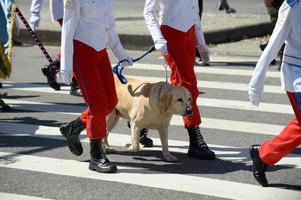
[250, 20]
[40, 109]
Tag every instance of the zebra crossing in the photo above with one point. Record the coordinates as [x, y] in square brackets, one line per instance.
[229, 177]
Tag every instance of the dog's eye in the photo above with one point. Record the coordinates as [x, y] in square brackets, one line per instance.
[180, 100]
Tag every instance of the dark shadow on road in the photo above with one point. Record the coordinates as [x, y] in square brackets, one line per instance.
[240, 64]
[285, 186]
[32, 121]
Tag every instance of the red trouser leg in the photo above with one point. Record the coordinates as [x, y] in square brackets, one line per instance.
[290, 137]
[58, 56]
[94, 74]
[180, 59]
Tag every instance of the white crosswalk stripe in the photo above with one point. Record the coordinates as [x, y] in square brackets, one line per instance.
[207, 70]
[8, 196]
[230, 125]
[185, 183]
[145, 177]
[223, 152]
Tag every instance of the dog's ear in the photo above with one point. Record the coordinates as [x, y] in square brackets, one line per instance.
[165, 98]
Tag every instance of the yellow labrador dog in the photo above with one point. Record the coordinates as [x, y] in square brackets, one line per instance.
[149, 105]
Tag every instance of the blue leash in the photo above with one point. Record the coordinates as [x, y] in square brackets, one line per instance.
[118, 70]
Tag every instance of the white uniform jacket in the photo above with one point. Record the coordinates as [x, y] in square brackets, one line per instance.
[56, 9]
[288, 30]
[180, 15]
[91, 22]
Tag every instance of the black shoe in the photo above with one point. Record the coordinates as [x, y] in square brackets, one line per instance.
[230, 10]
[71, 131]
[99, 162]
[50, 73]
[274, 62]
[199, 62]
[74, 88]
[4, 107]
[197, 146]
[17, 43]
[259, 167]
[144, 140]
[263, 45]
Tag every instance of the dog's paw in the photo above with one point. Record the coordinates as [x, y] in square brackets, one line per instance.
[169, 158]
[130, 147]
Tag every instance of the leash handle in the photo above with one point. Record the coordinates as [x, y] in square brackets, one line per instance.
[118, 70]
[34, 36]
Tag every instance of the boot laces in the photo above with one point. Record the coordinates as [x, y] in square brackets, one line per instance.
[199, 140]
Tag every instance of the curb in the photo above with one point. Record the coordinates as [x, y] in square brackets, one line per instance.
[142, 42]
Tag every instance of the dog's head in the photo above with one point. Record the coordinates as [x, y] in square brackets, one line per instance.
[176, 100]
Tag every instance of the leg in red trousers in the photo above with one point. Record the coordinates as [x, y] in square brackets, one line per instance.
[94, 74]
[180, 58]
[290, 137]
[271, 151]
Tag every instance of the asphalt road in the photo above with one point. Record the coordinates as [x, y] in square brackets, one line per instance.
[35, 162]
[136, 6]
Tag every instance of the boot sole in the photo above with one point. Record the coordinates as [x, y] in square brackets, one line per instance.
[111, 169]
[201, 158]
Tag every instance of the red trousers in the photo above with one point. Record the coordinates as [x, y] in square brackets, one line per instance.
[93, 72]
[60, 21]
[180, 59]
[289, 138]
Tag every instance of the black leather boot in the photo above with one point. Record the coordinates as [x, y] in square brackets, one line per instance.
[144, 140]
[259, 167]
[50, 73]
[99, 162]
[3, 106]
[197, 146]
[71, 131]
[74, 89]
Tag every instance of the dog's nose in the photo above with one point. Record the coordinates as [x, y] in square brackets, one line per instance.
[188, 111]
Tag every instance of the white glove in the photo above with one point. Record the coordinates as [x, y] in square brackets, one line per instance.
[128, 61]
[34, 21]
[161, 45]
[66, 76]
[255, 97]
[204, 53]
[33, 26]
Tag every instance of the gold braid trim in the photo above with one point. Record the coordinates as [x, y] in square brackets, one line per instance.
[12, 23]
[6, 60]
[5, 64]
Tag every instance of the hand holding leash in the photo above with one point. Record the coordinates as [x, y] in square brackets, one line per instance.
[118, 68]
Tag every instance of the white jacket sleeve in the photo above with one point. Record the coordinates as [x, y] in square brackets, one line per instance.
[277, 39]
[151, 21]
[114, 41]
[70, 22]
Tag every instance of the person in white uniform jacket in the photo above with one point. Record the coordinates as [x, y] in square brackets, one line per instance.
[176, 35]
[88, 29]
[288, 30]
